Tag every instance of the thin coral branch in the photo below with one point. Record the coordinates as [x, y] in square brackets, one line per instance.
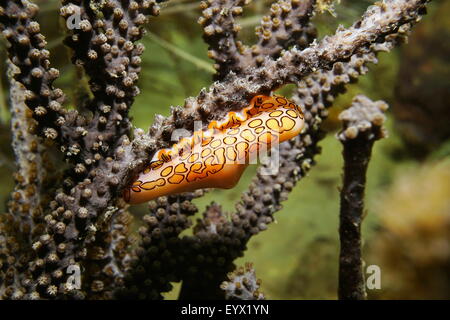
[287, 25]
[104, 43]
[362, 126]
[109, 255]
[75, 235]
[220, 33]
[27, 51]
[29, 152]
[209, 255]
[25, 209]
[87, 198]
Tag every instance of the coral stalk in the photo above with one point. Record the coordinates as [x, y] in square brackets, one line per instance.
[287, 25]
[362, 126]
[27, 51]
[220, 33]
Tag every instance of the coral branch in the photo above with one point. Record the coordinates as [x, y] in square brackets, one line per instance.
[288, 25]
[32, 159]
[81, 210]
[220, 33]
[27, 51]
[209, 255]
[109, 254]
[159, 254]
[25, 217]
[362, 126]
[78, 233]
[103, 42]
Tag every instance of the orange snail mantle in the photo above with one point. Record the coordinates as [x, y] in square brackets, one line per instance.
[217, 156]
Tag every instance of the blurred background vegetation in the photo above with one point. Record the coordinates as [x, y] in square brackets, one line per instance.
[407, 226]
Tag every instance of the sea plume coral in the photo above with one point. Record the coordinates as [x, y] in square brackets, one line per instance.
[86, 223]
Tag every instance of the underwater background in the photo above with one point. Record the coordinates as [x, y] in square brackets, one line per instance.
[406, 230]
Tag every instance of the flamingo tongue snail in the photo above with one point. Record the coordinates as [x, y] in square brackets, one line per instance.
[217, 156]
